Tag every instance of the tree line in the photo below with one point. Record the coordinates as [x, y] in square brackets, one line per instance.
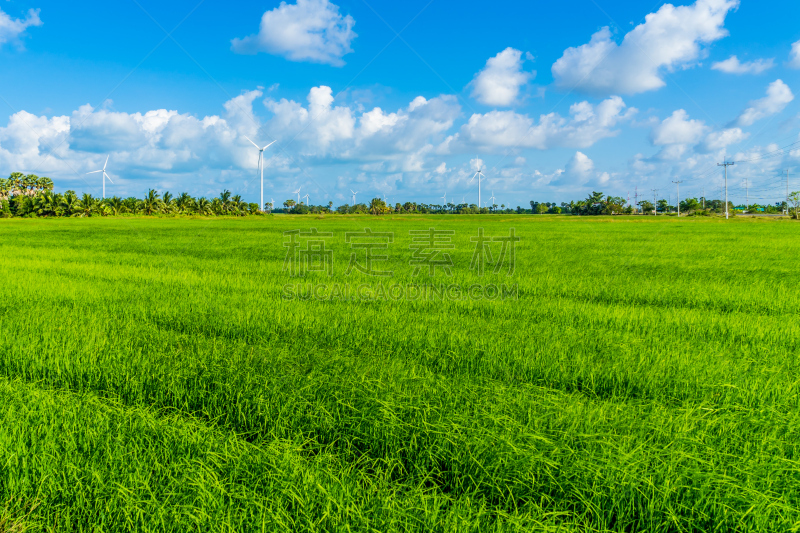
[31, 196]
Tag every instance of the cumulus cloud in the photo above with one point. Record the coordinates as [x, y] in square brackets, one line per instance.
[732, 65]
[669, 39]
[678, 129]
[579, 172]
[719, 140]
[778, 97]
[794, 55]
[155, 146]
[586, 125]
[498, 84]
[310, 30]
[401, 139]
[11, 29]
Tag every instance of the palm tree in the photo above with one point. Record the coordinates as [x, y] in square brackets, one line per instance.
[131, 204]
[184, 202]
[69, 203]
[85, 206]
[225, 199]
[204, 206]
[151, 203]
[116, 205]
[47, 204]
[237, 205]
[217, 206]
[377, 206]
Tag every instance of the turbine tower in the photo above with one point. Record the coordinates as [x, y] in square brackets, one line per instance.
[354, 196]
[105, 176]
[480, 175]
[261, 168]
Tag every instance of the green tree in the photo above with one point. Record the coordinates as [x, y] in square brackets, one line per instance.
[377, 206]
[794, 200]
[151, 203]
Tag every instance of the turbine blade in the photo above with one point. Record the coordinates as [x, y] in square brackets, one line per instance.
[251, 142]
[270, 144]
[94, 171]
[104, 166]
[107, 176]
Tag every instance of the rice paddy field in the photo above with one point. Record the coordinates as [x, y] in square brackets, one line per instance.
[639, 374]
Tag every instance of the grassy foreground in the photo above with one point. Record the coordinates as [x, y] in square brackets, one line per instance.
[153, 378]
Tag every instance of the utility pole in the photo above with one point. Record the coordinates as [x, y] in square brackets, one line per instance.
[787, 191]
[726, 164]
[704, 198]
[636, 196]
[655, 203]
[678, 183]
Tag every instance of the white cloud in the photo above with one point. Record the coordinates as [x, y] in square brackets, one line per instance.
[678, 129]
[580, 167]
[586, 125]
[669, 39]
[732, 65]
[579, 172]
[310, 30]
[155, 147]
[794, 55]
[719, 140]
[402, 139]
[12, 29]
[498, 84]
[778, 97]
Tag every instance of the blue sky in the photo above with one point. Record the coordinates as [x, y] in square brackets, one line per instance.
[402, 98]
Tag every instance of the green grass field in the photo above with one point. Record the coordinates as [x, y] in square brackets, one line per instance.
[153, 377]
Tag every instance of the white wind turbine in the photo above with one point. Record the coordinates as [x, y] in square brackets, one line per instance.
[444, 198]
[297, 192]
[105, 176]
[492, 199]
[354, 196]
[306, 197]
[480, 175]
[261, 168]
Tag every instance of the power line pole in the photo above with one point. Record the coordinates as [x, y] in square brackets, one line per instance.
[636, 197]
[704, 198]
[678, 183]
[726, 164]
[655, 202]
[787, 191]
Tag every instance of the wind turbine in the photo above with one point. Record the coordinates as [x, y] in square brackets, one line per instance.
[260, 168]
[492, 198]
[105, 176]
[297, 192]
[354, 196]
[444, 198]
[480, 175]
[306, 197]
